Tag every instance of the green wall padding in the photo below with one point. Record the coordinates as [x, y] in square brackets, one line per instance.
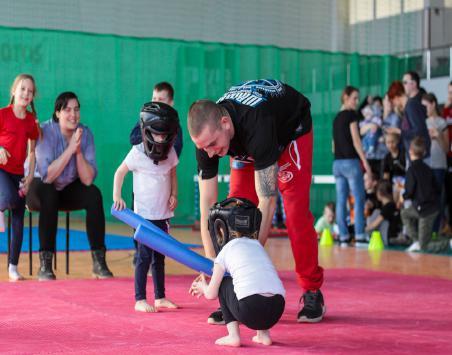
[113, 76]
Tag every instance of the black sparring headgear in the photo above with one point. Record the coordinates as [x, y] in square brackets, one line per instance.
[158, 118]
[233, 215]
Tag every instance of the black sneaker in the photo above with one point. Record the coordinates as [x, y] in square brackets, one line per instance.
[313, 307]
[216, 318]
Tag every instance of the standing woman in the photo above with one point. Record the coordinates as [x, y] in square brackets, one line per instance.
[413, 116]
[348, 153]
[18, 128]
[66, 164]
[437, 129]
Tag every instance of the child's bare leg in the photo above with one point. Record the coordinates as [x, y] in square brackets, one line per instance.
[164, 303]
[143, 306]
[233, 338]
[263, 337]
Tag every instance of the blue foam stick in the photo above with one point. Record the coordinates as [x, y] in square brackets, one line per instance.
[173, 249]
[134, 220]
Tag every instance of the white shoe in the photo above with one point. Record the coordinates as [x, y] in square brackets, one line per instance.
[414, 247]
[14, 274]
[2, 221]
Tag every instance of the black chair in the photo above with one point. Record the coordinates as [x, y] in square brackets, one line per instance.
[34, 206]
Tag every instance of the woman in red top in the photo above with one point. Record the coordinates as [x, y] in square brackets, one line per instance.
[18, 129]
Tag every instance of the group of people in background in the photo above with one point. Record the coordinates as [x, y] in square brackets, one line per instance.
[403, 145]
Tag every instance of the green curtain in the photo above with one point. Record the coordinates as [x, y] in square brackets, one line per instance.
[113, 76]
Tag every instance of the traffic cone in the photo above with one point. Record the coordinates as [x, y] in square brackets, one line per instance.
[376, 242]
[326, 240]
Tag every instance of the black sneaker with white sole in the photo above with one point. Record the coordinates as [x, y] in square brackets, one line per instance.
[216, 317]
[313, 307]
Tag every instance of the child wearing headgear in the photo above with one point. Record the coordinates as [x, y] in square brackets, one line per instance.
[153, 163]
[253, 294]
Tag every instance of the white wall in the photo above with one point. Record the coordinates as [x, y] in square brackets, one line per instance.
[285, 23]
[303, 24]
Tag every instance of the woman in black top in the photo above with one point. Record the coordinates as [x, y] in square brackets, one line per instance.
[347, 170]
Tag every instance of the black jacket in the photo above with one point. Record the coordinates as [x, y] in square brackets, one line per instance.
[420, 187]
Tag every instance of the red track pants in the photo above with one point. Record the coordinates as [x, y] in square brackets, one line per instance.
[295, 175]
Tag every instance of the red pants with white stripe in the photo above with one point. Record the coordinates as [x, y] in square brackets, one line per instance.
[294, 181]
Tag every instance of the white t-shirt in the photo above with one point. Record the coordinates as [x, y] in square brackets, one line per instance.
[250, 267]
[437, 154]
[151, 183]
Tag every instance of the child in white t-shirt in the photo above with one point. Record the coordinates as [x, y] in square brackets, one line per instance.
[253, 294]
[153, 164]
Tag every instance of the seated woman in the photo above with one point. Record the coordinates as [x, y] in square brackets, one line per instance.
[66, 166]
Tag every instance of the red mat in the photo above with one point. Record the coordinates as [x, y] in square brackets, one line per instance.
[368, 312]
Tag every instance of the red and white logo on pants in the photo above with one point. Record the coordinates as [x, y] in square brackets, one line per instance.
[283, 174]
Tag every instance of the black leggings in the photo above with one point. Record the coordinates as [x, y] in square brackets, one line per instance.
[75, 196]
[256, 311]
[147, 257]
[10, 199]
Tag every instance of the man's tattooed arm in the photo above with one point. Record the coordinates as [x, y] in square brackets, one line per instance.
[266, 181]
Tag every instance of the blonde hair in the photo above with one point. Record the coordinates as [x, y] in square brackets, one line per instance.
[16, 82]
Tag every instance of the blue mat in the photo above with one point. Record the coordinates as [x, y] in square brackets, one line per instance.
[77, 241]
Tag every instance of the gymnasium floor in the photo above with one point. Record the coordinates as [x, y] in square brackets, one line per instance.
[389, 301]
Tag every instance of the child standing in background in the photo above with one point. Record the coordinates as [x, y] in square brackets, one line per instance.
[153, 164]
[18, 128]
[421, 205]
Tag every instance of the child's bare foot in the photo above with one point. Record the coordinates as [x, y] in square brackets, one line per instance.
[229, 340]
[143, 306]
[165, 303]
[262, 337]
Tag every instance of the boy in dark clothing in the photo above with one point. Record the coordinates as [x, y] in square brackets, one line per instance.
[372, 203]
[387, 220]
[419, 215]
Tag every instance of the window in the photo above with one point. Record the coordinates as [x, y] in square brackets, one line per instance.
[412, 5]
[386, 8]
[361, 11]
